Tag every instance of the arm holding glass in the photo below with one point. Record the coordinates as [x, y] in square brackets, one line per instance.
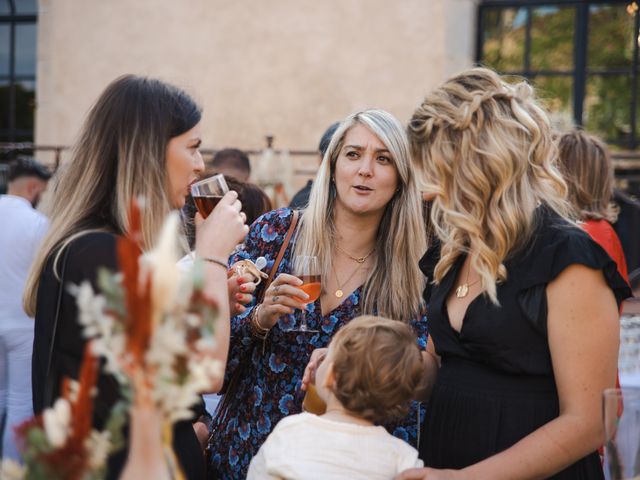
[216, 237]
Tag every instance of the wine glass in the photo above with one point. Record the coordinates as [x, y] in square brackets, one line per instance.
[307, 268]
[622, 429]
[208, 192]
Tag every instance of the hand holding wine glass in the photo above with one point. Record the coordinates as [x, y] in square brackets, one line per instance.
[220, 233]
[283, 296]
[208, 192]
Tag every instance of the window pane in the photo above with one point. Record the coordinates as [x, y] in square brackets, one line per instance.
[556, 93]
[4, 7]
[26, 7]
[552, 31]
[25, 110]
[4, 110]
[607, 107]
[5, 37]
[611, 38]
[26, 49]
[503, 41]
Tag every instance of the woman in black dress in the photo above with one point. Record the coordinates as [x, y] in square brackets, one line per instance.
[521, 303]
[140, 139]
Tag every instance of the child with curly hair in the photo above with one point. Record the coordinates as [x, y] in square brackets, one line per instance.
[370, 372]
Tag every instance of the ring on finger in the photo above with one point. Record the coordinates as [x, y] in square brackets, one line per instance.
[275, 299]
[276, 289]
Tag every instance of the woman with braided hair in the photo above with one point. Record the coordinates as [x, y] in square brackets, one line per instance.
[521, 302]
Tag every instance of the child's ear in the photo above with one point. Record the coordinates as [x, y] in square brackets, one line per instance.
[330, 378]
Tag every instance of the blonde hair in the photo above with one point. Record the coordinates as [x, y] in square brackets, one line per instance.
[586, 166]
[378, 367]
[488, 155]
[120, 155]
[394, 286]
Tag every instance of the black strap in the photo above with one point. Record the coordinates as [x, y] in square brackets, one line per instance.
[48, 381]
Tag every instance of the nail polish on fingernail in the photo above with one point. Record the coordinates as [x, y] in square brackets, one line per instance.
[243, 288]
[238, 296]
[240, 280]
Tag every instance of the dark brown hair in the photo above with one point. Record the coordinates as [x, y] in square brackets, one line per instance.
[378, 367]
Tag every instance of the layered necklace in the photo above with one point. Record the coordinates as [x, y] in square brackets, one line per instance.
[339, 293]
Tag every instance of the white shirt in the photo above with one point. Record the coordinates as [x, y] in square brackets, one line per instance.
[21, 231]
[306, 446]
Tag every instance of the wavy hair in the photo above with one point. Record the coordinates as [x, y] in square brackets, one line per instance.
[486, 148]
[395, 284]
[585, 163]
[120, 155]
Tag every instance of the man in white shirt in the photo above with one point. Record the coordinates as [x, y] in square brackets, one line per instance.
[21, 230]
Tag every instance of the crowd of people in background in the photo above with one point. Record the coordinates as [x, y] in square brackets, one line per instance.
[471, 285]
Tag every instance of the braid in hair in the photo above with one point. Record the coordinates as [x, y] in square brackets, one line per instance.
[486, 150]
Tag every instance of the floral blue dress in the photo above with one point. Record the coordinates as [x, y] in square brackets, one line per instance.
[268, 383]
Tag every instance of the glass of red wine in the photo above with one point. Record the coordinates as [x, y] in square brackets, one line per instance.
[208, 192]
[307, 268]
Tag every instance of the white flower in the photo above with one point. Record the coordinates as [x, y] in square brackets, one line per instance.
[98, 444]
[56, 422]
[11, 470]
[161, 264]
[90, 308]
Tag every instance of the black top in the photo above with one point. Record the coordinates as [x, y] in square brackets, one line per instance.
[86, 255]
[474, 411]
[301, 199]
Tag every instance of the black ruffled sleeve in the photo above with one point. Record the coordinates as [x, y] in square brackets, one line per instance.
[558, 247]
[428, 264]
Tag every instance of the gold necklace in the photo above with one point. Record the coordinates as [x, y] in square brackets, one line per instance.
[355, 259]
[339, 293]
[463, 289]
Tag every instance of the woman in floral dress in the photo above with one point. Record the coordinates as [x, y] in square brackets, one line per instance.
[364, 223]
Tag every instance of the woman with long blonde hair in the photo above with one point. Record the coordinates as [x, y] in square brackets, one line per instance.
[364, 226]
[522, 309]
[141, 139]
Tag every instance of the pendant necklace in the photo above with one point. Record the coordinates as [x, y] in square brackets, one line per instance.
[463, 289]
[339, 293]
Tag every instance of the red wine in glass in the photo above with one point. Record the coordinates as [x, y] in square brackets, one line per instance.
[206, 203]
[207, 193]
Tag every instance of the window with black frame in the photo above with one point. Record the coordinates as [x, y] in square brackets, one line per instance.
[581, 55]
[17, 69]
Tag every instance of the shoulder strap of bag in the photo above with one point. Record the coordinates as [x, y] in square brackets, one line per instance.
[48, 381]
[283, 249]
[231, 391]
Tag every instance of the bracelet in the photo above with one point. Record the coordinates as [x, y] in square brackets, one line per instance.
[258, 330]
[216, 261]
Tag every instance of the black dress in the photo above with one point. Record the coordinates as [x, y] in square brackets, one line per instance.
[86, 255]
[496, 382]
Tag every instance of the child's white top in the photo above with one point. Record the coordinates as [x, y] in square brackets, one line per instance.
[306, 446]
